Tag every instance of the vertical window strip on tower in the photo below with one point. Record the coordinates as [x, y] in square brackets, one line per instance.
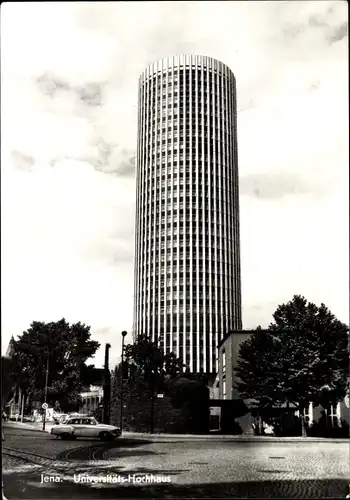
[203, 270]
[196, 329]
[216, 201]
[149, 202]
[156, 221]
[186, 215]
[222, 201]
[176, 91]
[162, 266]
[231, 167]
[169, 158]
[209, 273]
[192, 366]
[136, 239]
[141, 210]
[225, 193]
[229, 207]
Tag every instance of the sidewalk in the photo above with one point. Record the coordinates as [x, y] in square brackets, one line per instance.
[244, 438]
[30, 426]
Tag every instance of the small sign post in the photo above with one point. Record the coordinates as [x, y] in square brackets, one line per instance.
[44, 406]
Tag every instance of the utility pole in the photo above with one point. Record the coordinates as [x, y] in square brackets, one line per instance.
[124, 334]
[106, 387]
[152, 411]
[152, 386]
[22, 407]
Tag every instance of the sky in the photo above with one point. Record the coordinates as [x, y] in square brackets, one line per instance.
[69, 78]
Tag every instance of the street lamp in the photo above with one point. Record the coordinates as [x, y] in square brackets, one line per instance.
[152, 381]
[106, 388]
[45, 391]
[124, 334]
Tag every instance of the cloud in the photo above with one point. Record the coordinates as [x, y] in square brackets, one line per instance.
[317, 18]
[112, 159]
[49, 85]
[90, 93]
[339, 33]
[278, 185]
[22, 161]
[69, 121]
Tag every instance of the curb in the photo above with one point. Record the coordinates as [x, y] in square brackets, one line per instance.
[237, 439]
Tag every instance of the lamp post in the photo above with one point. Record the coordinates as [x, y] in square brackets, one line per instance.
[106, 388]
[45, 391]
[152, 380]
[124, 334]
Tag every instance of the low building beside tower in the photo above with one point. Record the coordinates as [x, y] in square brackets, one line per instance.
[228, 359]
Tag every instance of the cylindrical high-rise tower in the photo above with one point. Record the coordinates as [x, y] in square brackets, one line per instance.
[187, 255]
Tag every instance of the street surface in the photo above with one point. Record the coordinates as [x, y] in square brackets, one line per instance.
[43, 467]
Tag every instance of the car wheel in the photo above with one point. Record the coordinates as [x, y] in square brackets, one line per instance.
[65, 436]
[105, 436]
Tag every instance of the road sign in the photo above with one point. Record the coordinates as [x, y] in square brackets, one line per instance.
[44, 406]
[160, 396]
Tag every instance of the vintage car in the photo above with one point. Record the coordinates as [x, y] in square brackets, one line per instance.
[87, 427]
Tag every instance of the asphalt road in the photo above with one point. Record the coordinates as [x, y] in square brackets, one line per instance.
[197, 469]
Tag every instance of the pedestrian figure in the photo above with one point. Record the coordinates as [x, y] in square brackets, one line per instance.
[268, 429]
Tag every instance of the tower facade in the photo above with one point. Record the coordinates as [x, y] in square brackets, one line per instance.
[187, 292]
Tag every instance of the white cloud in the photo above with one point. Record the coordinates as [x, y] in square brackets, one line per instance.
[67, 227]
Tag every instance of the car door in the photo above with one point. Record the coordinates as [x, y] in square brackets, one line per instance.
[77, 426]
[88, 427]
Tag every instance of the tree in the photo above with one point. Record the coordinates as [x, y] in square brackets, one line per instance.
[146, 368]
[302, 357]
[153, 365]
[184, 406]
[190, 393]
[59, 350]
[151, 362]
[7, 379]
[150, 358]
